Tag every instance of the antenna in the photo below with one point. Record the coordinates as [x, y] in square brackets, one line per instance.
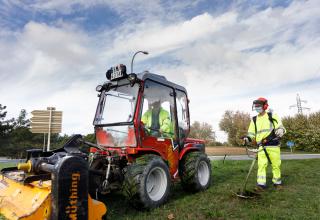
[299, 105]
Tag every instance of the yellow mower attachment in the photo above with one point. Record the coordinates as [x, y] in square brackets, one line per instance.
[33, 201]
[19, 201]
[28, 194]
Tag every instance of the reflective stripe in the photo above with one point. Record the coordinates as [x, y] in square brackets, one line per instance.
[264, 130]
[261, 180]
[277, 182]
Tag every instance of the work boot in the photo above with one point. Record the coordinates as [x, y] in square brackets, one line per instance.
[278, 186]
[259, 188]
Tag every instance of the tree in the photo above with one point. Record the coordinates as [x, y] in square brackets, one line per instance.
[2, 114]
[202, 131]
[5, 125]
[235, 124]
[22, 120]
[90, 138]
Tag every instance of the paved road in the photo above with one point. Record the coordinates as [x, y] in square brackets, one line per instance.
[228, 157]
[3, 160]
[283, 157]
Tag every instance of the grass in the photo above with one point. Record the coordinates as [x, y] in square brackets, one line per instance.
[4, 165]
[300, 198]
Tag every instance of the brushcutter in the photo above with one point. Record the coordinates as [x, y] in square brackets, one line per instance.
[252, 153]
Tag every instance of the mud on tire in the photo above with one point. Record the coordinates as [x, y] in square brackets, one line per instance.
[147, 182]
[195, 172]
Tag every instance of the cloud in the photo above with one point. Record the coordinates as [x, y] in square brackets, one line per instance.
[225, 59]
[38, 45]
[161, 39]
[43, 63]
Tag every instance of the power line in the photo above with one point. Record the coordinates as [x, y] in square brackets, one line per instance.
[299, 105]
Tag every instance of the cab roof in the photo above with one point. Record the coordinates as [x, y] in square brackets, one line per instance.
[159, 78]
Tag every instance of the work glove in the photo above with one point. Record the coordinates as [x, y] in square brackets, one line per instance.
[279, 132]
[246, 139]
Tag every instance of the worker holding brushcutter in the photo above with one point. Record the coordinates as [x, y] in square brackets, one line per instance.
[266, 128]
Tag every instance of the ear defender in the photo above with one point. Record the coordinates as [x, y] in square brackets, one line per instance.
[265, 106]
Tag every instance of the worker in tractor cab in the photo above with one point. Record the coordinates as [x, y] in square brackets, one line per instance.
[266, 128]
[157, 120]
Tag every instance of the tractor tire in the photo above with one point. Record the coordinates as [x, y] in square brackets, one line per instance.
[195, 172]
[147, 182]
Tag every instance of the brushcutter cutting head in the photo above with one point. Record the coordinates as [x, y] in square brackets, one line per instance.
[247, 194]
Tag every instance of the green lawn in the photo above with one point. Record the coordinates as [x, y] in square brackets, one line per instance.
[300, 198]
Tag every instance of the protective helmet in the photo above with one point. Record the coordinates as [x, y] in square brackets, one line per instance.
[260, 102]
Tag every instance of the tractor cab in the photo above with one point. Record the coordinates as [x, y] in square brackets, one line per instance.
[135, 110]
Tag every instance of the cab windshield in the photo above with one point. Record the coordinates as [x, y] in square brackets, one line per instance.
[114, 116]
[117, 106]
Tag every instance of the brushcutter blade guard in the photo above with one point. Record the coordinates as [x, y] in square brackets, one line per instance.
[247, 194]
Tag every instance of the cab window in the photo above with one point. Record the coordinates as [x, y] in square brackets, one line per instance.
[158, 110]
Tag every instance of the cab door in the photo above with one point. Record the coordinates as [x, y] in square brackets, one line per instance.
[183, 117]
[159, 122]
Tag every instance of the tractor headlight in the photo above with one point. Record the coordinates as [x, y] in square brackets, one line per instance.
[132, 77]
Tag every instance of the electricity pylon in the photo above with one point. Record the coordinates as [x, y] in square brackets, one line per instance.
[299, 105]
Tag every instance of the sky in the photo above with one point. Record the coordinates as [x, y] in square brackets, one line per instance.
[226, 53]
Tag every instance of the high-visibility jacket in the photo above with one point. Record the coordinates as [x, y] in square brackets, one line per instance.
[164, 124]
[264, 128]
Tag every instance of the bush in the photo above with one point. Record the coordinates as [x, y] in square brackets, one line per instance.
[304, 131]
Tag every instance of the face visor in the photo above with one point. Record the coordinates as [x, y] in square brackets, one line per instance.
[257, 105]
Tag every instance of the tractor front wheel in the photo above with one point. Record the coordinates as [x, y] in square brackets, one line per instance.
[195, 172]
[147, 182]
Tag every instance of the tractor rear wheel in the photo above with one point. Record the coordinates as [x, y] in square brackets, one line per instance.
[147, 182]
[195, 172]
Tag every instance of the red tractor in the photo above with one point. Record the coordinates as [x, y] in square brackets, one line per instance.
[141, 125]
